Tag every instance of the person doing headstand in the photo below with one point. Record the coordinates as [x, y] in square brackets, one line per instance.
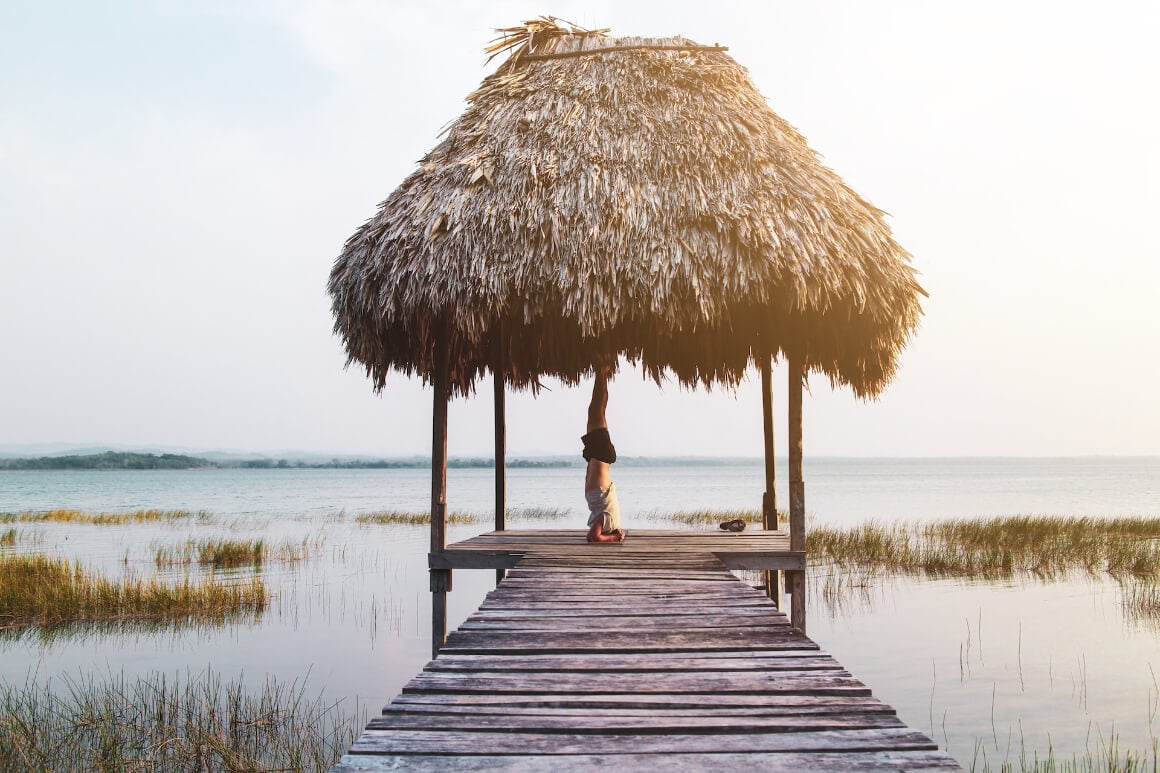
[599, 491]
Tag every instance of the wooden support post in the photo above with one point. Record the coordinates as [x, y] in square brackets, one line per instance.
[440, 587]
[769, 498]
[440, 578]
[442, 380]
[500, 441]
[796, 581]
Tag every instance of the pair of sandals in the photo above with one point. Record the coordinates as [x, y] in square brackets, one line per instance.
[735, 525]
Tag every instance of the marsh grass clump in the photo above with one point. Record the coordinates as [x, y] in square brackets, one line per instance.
[159, 723]
[845, 561]
[213, 553]
[1100, 756]
[397, 517]
[38, 591]
[230, 553]
[706, 517]
[8, 537]
[1142, 601]
[100, 519]
[1046, 546]
[291, 552]
[539, 513]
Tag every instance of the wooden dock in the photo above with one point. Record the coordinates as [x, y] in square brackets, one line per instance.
[750, 549]
[640, 656]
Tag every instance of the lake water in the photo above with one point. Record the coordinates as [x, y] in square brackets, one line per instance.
[987, 669]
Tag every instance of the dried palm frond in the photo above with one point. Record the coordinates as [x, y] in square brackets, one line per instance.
[532, 33]
[636, 197]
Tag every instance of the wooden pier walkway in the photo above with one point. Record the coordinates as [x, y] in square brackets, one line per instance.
[642, 656]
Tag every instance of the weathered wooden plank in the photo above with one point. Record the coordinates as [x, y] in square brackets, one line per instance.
[617, 724]
[653, 702]
[661, 603]
[627, 581]
[619, 607]
[515, 642]
[452, 742]
[661, 608]
[647, 663]
[644, 622]
[786, 762]
[739, 716]
[671, 592]
[589, 593]
[702, 683]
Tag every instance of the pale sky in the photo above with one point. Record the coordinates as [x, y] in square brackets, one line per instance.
[177, 177]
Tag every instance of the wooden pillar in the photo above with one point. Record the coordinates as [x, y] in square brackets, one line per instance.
[497, 368]
[769, 498]
[442, 382]
[440, 587]
[796, 581]
[440, 578]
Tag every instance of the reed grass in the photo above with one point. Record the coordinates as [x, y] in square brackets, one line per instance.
[229, 553]
[1047, 546]
[38, 591]
[100, 519]
[538, 513]
[1101, 756]
[465, 518]
[706, 517]
[159, 723]
[292, 552]
[8, 537]
[215, 553]
[396, 517]
[1142, 601]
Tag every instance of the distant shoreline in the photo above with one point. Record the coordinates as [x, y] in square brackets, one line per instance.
[114, 460]
[129, 460]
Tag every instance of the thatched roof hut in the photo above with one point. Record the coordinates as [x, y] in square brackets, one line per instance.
[622, 196]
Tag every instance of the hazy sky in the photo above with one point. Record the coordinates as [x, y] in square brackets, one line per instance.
[176, 179]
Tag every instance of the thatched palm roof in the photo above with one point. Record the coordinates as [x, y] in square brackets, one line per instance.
[623, 196]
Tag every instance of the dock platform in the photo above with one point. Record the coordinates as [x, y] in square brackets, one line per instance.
[749, 549]
[645, 655]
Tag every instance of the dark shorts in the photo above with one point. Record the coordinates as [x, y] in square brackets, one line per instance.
[598, 445]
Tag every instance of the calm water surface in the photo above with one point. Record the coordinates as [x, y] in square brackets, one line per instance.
[985, 668]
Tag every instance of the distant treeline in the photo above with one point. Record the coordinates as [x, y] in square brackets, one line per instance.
[391, 464]
[111, 460]
[117, 460]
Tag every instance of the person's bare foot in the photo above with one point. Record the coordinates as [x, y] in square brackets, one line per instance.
[597, 534]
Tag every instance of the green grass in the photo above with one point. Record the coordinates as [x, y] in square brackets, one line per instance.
[707, 517]
[994, 548]
[8, 537]
[215, 553]
[101, 519]
[538, 513]
[160, 723]
[396, 517]
[1100, 757]
[37, 591]
[228, 554]
[456, 517]
[290, 552]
